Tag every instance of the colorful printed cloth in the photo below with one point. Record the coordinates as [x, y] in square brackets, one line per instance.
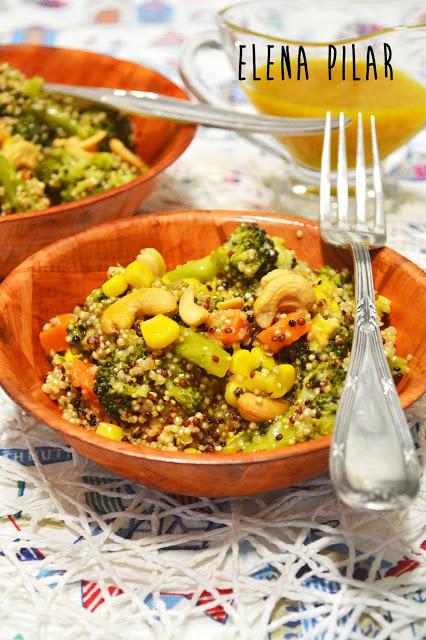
[87, 555]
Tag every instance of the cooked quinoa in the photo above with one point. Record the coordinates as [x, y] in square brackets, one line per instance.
[242, 350]
[56, 149]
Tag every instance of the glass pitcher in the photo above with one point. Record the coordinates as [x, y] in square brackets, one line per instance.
[304, 57]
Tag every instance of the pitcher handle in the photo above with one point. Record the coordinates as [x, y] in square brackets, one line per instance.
[190, 77]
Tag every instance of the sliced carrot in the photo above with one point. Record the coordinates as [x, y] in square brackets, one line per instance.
[284, 332]
[80, 376]
[230, 326]
[54, 339]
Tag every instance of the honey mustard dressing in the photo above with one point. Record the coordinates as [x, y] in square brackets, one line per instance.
[399, 106]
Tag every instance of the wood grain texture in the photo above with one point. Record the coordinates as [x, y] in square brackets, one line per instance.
[158, 143]
[62, 274]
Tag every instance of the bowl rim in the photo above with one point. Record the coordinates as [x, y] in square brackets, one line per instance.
[75, 432]
[184, 136]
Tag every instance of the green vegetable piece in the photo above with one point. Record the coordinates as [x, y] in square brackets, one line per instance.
[32, 86]
[399, 366]
[383, 305]
[244, 441]
[247, 254]
[285, 256]
[203, 270]
[203, 352]
[237, 443]
[56, 117]
[9, 180]
[269, 440]
[116, 397]
[188, 397]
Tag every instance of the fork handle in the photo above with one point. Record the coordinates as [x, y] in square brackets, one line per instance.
[373, 463]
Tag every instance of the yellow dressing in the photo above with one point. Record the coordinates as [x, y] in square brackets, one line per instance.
[399, 106]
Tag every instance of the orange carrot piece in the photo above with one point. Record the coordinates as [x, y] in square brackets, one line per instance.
[54, 339]
[80, 376]
[235, 328]
[284, 332]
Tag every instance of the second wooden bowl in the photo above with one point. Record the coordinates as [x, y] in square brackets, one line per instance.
[158, 143]
[56, 278]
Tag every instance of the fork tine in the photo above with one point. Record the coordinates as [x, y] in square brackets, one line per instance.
[360, 179]
[342, 175]
[379, 221]
[325, 207]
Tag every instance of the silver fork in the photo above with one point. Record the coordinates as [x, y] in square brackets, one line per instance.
[373, 463]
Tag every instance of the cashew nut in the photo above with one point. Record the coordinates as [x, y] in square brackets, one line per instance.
[141, 302]
[275, 273]
[74, 147]
[233, 303]
[288, 292]
[152, 259]
[257, 409]
[91, 143]
[125, 154]
[21, 153]
[191, 313]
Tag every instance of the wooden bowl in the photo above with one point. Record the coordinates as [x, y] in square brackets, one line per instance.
[158, 143]
[56, 278]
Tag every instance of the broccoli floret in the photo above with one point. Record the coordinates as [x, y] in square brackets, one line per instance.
[116, 124]
[338, 278]
[68, 178]
[248, 253]
[75, 333]
[59, 165]
[188, 397]
[286, 257]
[115, 395]
[19, 195]
[33, 130]
[111, 401]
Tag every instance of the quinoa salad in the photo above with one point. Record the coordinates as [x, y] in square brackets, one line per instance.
[243, 350]
[56, 149]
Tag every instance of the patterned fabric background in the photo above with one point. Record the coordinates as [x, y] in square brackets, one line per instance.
[87, 555]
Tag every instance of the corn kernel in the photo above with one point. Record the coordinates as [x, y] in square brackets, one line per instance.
[111, 431]
[160, 331]
[260, 359]
[242, 363]
[138, 275]
[70, 356]
[324, 290]
[321, 331]
[114, 287]
[191, 450]
[286, 377]
[263, 381]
